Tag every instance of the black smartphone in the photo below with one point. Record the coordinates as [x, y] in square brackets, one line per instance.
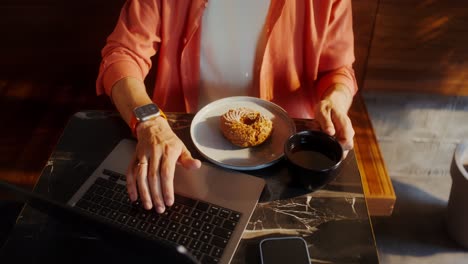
[291, 250]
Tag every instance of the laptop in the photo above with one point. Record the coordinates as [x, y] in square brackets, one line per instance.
[124, 245]
[211, 210]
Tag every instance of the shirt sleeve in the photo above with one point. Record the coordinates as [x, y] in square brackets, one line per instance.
[337, 57]
[131, 45]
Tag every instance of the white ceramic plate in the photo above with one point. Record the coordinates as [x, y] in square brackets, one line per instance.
[211, 143]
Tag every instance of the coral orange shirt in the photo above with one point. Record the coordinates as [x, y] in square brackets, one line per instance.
[309, 46]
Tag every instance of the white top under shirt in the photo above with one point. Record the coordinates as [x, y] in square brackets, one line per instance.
[230, 34]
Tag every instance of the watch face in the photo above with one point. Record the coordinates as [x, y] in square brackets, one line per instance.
[146, 112]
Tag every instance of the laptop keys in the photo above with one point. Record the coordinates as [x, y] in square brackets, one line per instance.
[201, 227]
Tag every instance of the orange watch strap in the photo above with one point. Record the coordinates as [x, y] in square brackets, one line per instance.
[133, 125]
[162, 114]
[134, 122]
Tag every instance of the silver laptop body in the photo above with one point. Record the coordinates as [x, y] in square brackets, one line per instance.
[214, 185]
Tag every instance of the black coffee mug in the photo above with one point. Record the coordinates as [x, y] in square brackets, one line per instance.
[314, 158]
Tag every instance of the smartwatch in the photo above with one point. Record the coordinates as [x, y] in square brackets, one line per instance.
[145, 113]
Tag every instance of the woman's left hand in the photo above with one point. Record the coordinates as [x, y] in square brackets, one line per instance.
[332, 114]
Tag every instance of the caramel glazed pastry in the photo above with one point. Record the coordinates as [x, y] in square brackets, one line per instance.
[245, 127]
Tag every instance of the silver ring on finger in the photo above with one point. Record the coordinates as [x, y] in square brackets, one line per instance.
[140, 163]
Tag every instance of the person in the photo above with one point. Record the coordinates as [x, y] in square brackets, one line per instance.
[297, 54]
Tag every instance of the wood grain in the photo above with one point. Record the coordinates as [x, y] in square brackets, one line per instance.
[364, 12]
[378, 188]
[52, 38]
[420, 46]
[376, 182]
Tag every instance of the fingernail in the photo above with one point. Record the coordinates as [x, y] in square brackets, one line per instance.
[169, 202]
[148, 205]
[160, 209]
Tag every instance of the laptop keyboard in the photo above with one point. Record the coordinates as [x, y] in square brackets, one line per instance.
[203, 228]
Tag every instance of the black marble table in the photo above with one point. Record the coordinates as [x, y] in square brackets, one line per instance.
[333, 220]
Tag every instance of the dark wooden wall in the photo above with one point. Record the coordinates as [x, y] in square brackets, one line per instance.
[364, 12]
[49, 58]
[54, 39]
[419, 46]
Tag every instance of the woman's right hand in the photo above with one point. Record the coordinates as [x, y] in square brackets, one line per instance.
[150, 175]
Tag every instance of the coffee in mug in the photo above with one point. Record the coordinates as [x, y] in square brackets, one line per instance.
[314, 158]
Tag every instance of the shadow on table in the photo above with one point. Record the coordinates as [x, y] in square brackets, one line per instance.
[417, 226]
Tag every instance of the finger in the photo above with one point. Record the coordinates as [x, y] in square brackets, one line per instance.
[131, 181]
[187, 161]
[142, 183]
[323, 116]
[345, 153]
[345, 131]
[168, 163]
[154, 181]
[348, 136]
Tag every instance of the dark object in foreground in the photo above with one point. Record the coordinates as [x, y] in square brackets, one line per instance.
[128, 245]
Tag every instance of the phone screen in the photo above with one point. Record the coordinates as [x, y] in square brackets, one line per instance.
[291, 250]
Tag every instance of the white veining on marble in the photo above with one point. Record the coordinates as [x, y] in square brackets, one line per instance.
[300, 215]
[353, 202]
[50, 163]
[328, 193]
